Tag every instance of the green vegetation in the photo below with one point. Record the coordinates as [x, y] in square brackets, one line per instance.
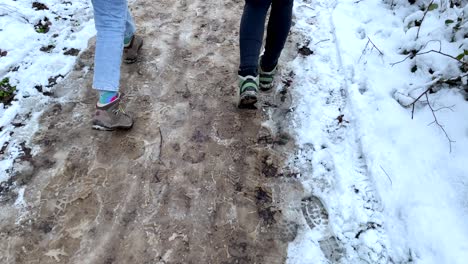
[7, 91]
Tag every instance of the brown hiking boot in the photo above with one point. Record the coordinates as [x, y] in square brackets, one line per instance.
[111, 117]
[131, 52]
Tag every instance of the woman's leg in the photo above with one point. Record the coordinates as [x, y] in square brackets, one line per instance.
[129, 28]
[251, 35]
[110, 18]
[279, 25]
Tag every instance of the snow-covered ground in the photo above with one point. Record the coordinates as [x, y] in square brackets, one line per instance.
[383, 186]
[395, 187]
[39, 45]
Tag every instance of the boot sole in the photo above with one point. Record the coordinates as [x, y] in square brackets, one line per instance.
[101, 128]
[247, 100]
[265, 88]
[104, 128]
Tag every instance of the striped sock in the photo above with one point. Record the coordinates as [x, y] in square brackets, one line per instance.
[127, 41]
[106, 97]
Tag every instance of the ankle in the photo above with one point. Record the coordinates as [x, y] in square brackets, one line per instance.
[267, 66]
[107, 97]
[248, 72]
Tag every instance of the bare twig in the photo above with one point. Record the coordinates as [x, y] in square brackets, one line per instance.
[440, 126]
[364, 51]
[445, 54]
[425, 12]
[323, 40]
[445, 107]
[426, 52]
[412, 55]
[160, 144]
[369, 41]
[381, 53]
[391, 183]
[398, 62]
[430, 85]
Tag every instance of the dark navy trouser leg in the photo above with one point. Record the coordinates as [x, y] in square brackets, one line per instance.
[279, 25]
[252, 29]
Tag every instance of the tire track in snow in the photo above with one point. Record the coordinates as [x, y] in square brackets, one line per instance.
[342, 211]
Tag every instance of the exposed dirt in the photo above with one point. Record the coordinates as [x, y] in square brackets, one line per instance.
[195, 181]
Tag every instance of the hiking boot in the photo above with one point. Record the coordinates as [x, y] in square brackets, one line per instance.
[131, 52]
[267, 78]
[248, 90]
[111, 117]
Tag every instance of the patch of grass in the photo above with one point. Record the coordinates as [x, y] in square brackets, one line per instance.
[43, 26]
[7, 91]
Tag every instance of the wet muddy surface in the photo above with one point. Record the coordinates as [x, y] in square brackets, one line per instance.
[196, 180]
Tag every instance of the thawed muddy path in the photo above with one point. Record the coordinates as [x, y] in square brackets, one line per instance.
[195, 181]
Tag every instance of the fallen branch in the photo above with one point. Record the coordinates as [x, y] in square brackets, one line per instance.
[425, 12]
[430, 86]
[412, 55]
[445, 107]
[440, 126]
[160, 144]
[425, 93]
[391, 183]
[369, 41]
[381, 53]
[445, 54]
[323, 40]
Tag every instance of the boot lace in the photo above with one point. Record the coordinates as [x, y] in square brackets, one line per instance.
[119, 110]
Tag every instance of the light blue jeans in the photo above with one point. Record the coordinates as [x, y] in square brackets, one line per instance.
[114, 23]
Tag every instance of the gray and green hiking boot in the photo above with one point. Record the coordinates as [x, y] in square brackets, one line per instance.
[267, 78]
[248, 91]
[111, 116]
[131, 52]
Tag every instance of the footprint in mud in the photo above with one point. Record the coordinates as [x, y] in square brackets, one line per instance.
[120, 147]
[288, 231]
[132, 148]
[265, 135]
[199, 136]
[239, 250]
[272, 166]
[316, 216]
[194, 155]
[266, 211]
[144, 103]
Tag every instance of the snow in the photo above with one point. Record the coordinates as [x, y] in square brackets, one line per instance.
[20, 202]
[419, 178]
[394, 186]
[28, 67]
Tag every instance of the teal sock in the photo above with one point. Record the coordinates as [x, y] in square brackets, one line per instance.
[127, 41]
[106, 97]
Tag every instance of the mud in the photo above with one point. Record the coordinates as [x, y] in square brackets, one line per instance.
[195, 181]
